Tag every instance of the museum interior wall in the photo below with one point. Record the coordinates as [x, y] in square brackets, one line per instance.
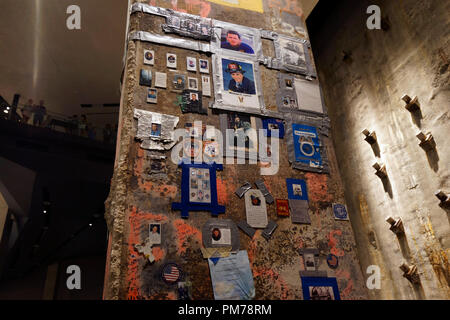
[364, 75]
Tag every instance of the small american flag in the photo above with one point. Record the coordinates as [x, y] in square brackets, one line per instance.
[171, 273]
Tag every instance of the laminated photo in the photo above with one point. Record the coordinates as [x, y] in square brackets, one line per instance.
[203, 65]
[171, 60]
[179, 82]
[221, 236]
[240, 136]
[152, 96]
[145, 78]
[309, 261]
[238, 83]
[292, 53]
[237, 41]
[191, 64]
[192, 83]
[320, 288]
[154, 233]
[149, 57]
[155, 130]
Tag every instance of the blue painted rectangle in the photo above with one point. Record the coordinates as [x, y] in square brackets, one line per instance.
[297, 189]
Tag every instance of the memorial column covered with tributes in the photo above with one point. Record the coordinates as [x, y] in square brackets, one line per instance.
[225, 184]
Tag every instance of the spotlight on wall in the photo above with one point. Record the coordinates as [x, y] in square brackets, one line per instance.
[381, 170]
[396, 225]
[411, 104]
[426, 141]
[371, 137]
[410, 273]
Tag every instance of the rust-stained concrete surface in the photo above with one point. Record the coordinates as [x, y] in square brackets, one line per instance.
[136, 198]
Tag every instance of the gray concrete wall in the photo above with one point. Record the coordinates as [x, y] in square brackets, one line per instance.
[363, 90]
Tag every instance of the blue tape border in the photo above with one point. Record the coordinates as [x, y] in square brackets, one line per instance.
[319, 282]
[185, 205]
[290, 182]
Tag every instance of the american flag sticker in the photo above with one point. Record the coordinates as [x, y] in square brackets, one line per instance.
[171, 273]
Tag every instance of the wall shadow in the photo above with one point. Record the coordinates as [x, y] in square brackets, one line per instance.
[376, 149]
[433, 159]
[404, 247]
[417, 117]
[387, 186]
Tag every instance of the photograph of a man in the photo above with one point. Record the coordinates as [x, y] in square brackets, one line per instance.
[155, 233]
[232, 40]
[238, 82]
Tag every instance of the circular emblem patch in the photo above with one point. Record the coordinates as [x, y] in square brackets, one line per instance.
[171, 273]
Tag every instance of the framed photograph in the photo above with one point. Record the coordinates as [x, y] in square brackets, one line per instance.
[237, 85]
[309, 260]
[155, 130]
[320, 288]
[192, 102]
[297, 189]
[145, 78]
[152, 95]
[179, 82]
[191, 64]
[149, 57]
[236, 40]
[198, 189]
[293, 54]
[203, 65]
[155, 233]
[171, 60]
[192, 83]
[240, 134]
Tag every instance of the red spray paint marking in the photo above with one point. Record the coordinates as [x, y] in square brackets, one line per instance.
[318, 187]
[158, 253]
[137, 219]
[223, 190]
[191, 5]
[276, 279]
[346, 275]
[184, 233]
[333, 243]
